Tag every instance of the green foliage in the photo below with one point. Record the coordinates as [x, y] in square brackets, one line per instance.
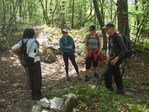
[103, 99]
[140, 45]
[131, 81]
[1, 94]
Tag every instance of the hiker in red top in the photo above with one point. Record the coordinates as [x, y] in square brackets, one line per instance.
[93, 48]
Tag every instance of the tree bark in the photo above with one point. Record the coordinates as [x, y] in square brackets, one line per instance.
[54, 12]
[101, 22]
[4, 18]
[72, 26]
[122, 10]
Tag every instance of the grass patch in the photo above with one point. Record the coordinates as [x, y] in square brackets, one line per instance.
[104, 100]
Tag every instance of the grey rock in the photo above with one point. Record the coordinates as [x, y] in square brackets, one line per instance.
[55, 104]
[69, 102]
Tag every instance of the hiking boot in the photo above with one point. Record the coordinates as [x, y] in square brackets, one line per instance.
[120, 91]
[67, 77]
[87, 78]
[79, 77]
[96, 75]
[37, 98]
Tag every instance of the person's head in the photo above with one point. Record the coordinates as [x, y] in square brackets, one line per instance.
[92, 29]
[28, 33]
[109, 28]
[65, 32]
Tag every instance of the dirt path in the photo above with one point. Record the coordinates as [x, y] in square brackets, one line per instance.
[17, 97]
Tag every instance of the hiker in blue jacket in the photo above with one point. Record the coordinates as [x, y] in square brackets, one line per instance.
[67, 49]
[115, 52]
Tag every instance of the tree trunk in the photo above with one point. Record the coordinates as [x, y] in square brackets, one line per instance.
[54, 12]
[72, 26]
[20, 8]
[101, 22]
[44, 13]
[4, 18]
[122, 10]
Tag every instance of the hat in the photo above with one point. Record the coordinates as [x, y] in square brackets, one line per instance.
[108, 25]
[65, 30]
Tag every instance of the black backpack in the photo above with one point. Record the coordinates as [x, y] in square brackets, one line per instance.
[25, 60]
[128, 45]
[73, 46]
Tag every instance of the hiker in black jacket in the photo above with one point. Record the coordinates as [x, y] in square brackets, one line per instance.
[115, 52]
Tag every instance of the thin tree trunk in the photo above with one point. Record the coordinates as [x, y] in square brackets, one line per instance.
[122, 10]
[72, 26]
[4, 18]
[54, 12]
[44, 13]
[101, 22]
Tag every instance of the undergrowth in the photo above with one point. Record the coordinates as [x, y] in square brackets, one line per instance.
[102, 100]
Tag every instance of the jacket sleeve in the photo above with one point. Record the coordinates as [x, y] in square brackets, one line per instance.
[17, 46]
[61, 46]
[122, 45]
[71, 41]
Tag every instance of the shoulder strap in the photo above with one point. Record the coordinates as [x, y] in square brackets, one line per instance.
[96, 36]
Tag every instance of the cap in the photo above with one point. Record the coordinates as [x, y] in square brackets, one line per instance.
[65, 30]
[108, 25]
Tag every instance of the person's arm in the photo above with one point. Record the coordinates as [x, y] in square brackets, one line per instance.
[16, 46]
[108, 52]
[61, 45]
[99, 42]
[71, 43]
[86, 48]
[121, 43]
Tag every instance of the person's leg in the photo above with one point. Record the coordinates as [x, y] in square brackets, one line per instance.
[108, 77]
[36, 77]
[118, 77]
[27, 77]
[72, 59]
[88, 66]
[95, 64]
[65, 58]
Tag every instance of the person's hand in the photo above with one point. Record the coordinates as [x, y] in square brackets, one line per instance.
[113, 62]
[108, 57]
[70, 47]
[98, 53]
[87, 54]
[41, 53]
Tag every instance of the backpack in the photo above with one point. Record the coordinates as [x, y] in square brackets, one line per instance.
[73, 46]
[25, 60]
[128, 46]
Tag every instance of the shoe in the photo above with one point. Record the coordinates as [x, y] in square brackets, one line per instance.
[37, 98]
[67, 77]
[87, 78]
[120, 91]
[96, 75]
[79, 77]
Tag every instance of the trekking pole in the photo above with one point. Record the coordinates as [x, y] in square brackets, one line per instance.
[99, 81]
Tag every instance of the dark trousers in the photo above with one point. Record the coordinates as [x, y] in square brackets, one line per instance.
[72, 59]
[35, 79]
[115, 71]
[89, 61]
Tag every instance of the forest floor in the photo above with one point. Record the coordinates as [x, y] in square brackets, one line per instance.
[17, 97]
